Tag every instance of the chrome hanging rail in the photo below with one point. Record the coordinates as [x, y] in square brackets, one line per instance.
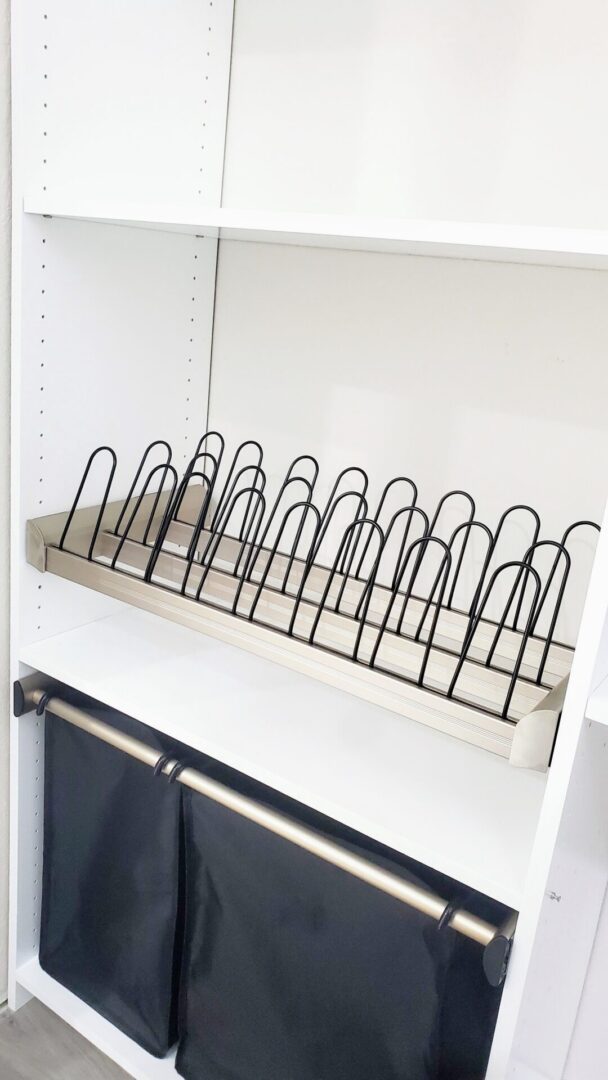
[35, 692]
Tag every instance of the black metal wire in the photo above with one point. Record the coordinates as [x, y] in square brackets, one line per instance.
[355, 527]
[104, 501]
[288, 481]
[291, 472]
[524, 568]
[306, 508]
[344, 545]
[227, 491]
[188, 476]
[456, 494]
[237, 546]
[468, 526]
[518, 507]
[411, 502]
[217, 458]
[146, 453]
[445, 565]
[220, 533]
[562, 553]
[329, 512]
[166, 469]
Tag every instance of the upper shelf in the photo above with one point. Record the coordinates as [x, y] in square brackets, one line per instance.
[450, 805]
[583, 248]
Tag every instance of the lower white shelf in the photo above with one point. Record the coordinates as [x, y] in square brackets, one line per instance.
[450, 805]
[107, 1038]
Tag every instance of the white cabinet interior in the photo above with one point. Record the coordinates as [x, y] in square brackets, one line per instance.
[465, 372]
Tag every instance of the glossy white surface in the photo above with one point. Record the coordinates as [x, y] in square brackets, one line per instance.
[452, 806]
[123, 100]
[455, 373]
[546, 246]
[464, 111]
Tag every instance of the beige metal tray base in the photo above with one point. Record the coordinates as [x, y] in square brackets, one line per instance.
[527, 743]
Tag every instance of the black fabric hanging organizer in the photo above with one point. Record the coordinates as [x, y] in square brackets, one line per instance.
[112, 904]
[294, 969]
[182, 922]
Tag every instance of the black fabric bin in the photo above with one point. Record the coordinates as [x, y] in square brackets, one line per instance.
[291, 969]
[111, 905]
[294, 970]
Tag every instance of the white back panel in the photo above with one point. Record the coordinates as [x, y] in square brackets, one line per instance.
[490, 377]
[125, 100]
[116, 343]
[473, 111]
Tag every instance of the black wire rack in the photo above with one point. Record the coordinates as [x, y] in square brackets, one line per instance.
[386, 585]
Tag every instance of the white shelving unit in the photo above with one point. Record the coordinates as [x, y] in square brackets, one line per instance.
[131, 158]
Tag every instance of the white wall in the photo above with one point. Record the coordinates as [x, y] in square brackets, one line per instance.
[4, 451]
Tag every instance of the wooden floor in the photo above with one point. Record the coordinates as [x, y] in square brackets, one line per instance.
[36, 1045]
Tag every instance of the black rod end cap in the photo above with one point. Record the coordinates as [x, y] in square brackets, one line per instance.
[496, 959]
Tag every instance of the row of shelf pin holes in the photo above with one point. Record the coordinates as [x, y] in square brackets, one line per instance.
[41, 433]
[189, 367]
[205, 102]
[200, 192]
[43, 313]
[45, 106]
[36, 900]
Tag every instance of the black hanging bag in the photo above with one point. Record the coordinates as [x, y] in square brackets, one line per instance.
[111, 928]
[294, 970]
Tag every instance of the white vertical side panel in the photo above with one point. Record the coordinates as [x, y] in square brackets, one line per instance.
[111, 327]
[588, 1051]
[27, 735]
[20, 854]
[127, 100]
[116, 339]
[567, 878]
[4, 471]
[114, 329]
[588, 1054]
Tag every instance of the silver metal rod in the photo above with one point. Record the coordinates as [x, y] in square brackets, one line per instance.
[413, 895]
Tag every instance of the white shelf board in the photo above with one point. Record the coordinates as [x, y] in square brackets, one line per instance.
[597, 706]
[585, 248]
[107, 1038]
[452, 806]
